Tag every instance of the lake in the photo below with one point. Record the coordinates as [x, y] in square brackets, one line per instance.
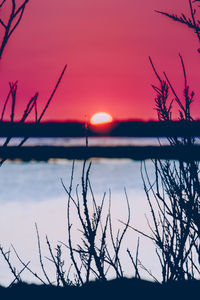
[93, 141]
[32, 192]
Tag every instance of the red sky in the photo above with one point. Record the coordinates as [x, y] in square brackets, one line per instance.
[106, 44]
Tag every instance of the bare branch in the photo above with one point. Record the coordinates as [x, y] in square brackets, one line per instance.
[40, 256]
[52, 94]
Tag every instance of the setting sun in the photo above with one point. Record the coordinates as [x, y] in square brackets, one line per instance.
[101, 118]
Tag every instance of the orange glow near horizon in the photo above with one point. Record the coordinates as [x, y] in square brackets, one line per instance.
[101, 118]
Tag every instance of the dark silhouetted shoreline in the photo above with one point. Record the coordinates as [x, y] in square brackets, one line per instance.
[44, 153]
[118, 129]
[115, 129]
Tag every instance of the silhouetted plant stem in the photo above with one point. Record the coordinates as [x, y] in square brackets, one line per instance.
[52, 94]
[135, 263]
[190, 22]
[27, 268]
[94, 254]
[175, 191]
[14, 19]
[6, 256]
[40, 256]
[8, 27]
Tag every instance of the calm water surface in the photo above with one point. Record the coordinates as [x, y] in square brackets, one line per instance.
[93, 141]
[32, 192]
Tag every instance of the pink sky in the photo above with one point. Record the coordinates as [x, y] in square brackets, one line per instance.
[106, 44]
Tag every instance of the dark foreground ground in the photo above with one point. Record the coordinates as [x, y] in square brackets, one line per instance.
[114, 289]
[44, 153]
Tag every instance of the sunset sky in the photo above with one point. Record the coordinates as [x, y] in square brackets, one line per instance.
[106, 44]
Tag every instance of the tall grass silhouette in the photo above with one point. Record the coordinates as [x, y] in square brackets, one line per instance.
[174, 195]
